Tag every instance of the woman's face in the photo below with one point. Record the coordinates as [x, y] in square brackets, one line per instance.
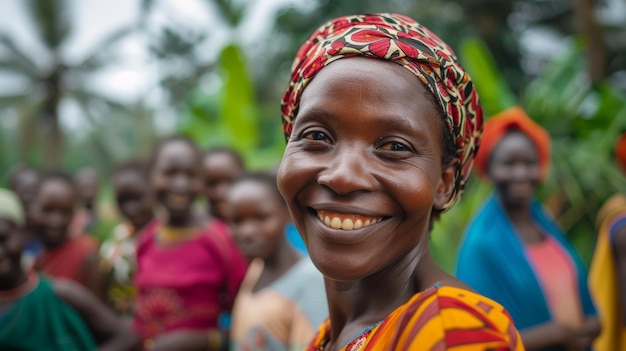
[514, 169]
[176, 178]
[257, 219]
[362, 170]
[52, 210]
[132, 196]
[220, 170]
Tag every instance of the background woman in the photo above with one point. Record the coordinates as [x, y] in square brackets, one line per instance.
[515, 253]
[282, 299]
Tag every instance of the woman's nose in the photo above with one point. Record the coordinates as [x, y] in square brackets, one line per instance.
[350, 170]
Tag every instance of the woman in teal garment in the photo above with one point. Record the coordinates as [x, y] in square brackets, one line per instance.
[37, 313]
[515, 253]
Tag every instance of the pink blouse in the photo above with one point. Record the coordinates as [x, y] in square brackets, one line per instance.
[185, 285]
[558, 278]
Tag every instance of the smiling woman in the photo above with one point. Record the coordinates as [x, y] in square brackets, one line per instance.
[382, 126]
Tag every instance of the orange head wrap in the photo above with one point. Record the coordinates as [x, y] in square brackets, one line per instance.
[620, 152]
[495, 129]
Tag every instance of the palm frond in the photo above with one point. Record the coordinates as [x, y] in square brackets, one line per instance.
[17, 60]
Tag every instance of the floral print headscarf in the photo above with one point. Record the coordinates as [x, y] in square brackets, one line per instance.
[398, 39]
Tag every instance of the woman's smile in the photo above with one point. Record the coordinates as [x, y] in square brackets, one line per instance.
[345, 221]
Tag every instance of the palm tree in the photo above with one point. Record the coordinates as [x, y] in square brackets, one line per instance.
[50, 78]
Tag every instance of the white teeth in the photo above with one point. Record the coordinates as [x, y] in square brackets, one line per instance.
[358, 224]
[347, 223]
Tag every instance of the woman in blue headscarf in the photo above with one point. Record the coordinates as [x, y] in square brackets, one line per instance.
[515, 253]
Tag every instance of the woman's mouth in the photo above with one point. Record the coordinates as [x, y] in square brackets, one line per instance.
[346, 221]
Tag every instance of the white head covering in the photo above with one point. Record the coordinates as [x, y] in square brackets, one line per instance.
[10, 207]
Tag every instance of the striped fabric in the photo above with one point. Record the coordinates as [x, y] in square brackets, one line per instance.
[443, 318]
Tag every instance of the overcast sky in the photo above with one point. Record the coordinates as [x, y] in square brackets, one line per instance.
[134, 77]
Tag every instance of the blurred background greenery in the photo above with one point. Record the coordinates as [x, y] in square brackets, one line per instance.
[564, 61]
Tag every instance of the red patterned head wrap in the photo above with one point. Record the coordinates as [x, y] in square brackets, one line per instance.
[496, 128]
[620, 152]
[401, 40]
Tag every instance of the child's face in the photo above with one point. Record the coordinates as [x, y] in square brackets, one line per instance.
[53, 210]
[176, 178]
[10, 247]
[220, 170]
[132, 196]
[257, 219]
[362, 170]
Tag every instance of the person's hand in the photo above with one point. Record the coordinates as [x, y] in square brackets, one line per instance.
[180, 341]
[591, 328]
[581, 338]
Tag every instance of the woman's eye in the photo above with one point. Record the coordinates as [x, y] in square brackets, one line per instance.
[395, 146]
[316, 135]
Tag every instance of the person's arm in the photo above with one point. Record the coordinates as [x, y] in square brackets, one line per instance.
[553, 334]
[92, 275]
[109, 332]
[619, 244]
[191, 340]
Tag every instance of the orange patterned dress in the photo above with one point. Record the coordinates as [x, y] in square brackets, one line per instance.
[440, 318]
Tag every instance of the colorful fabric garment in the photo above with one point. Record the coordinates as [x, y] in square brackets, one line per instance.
[493, 261]
[440, 318]
[401, 40]
[282, 316]
[603, 280]
[185, 285]
[558, 278]
[39, 320]
[496, 128]
[66, 260]
[118, 262]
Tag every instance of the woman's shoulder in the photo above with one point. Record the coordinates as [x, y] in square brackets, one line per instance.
[455, 316]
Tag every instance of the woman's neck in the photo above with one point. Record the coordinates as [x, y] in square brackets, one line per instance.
[180, 221]
[355, 305]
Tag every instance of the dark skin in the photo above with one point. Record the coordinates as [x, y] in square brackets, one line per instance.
[106, 329]
[515, 172]
[257, 218]
[88, 185]
[620, 258]
[132, 196]
[219, 169]
[52, 211]
[367, 146]
[176, 181]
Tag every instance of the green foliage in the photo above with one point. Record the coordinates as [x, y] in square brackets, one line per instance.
[583, 121]
[494, 93]
[231, 117]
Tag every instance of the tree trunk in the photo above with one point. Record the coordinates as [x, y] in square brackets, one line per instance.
[591, 33]
[53, 137]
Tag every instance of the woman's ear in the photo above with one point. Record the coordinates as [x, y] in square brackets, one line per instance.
[445, 186]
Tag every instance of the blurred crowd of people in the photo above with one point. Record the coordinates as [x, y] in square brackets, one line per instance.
[198, 231]
[207, 255]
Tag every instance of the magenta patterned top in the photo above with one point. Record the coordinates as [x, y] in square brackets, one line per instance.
[185, 285]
